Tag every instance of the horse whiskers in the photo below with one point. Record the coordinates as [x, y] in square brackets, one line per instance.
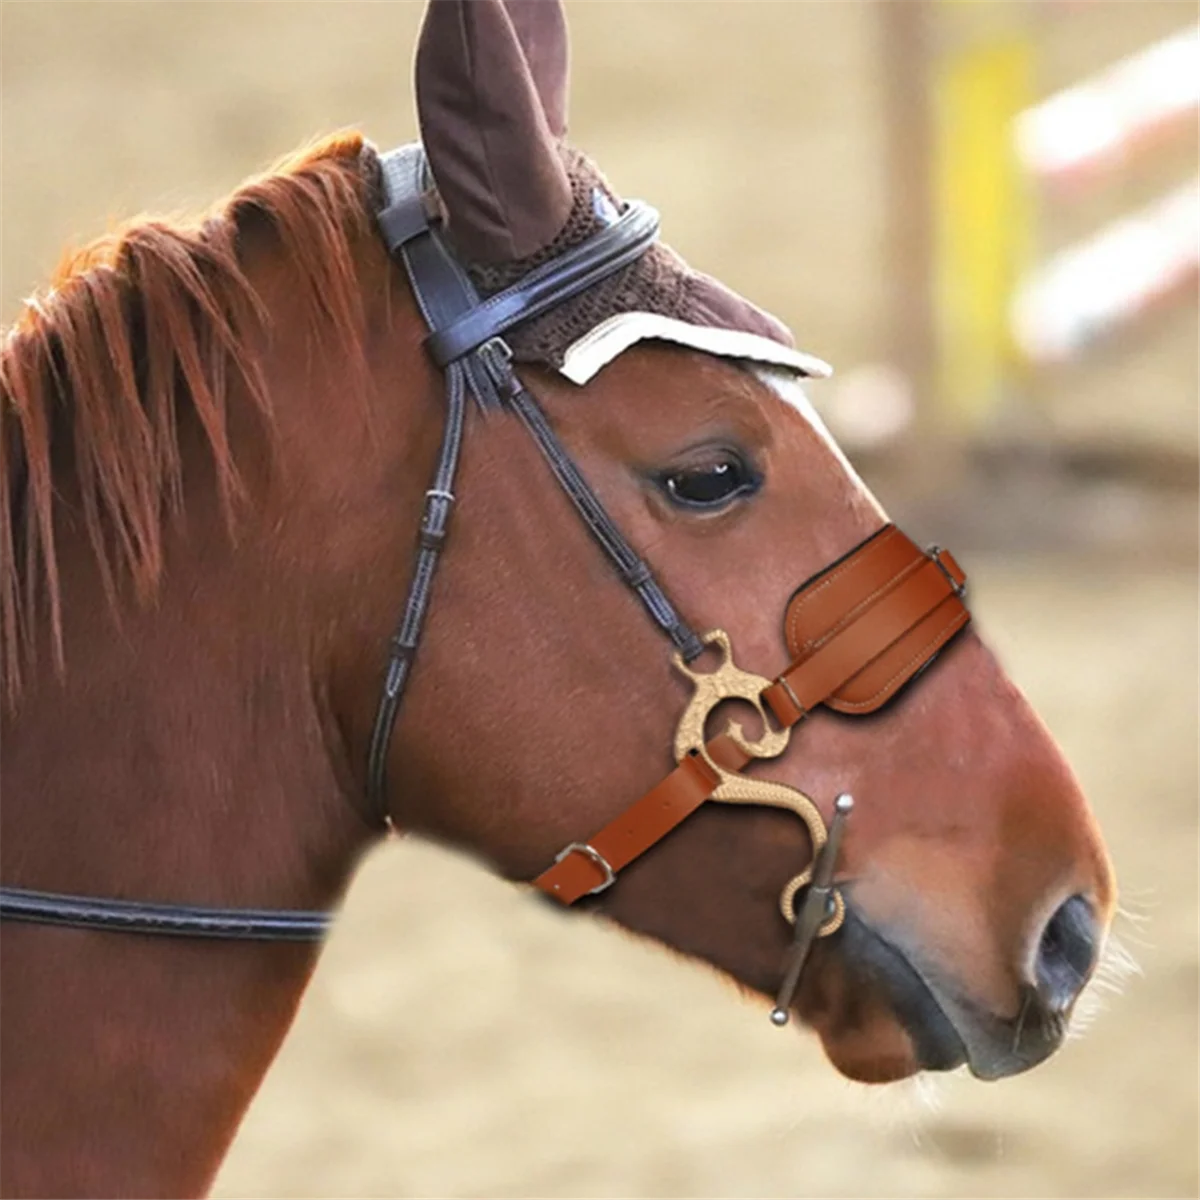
[1130, 911]
[910, 1107]
[1117, 965]
[1135, 923]
[929, 1091]
[1115, 968]
[1142, 899]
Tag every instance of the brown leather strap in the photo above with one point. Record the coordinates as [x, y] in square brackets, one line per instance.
[583, 868]
[865, 659]
[858, 632]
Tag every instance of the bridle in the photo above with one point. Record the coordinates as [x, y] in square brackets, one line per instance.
[466, 343]
[857, 632]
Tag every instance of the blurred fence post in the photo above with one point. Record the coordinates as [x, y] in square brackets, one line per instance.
[927, 460]
[983, 242]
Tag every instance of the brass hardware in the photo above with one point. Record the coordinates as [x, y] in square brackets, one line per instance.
[729, 682]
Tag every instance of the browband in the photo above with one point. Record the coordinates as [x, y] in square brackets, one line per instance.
[606, 252]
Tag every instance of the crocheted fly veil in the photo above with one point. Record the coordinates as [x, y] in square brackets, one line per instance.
[491, 82]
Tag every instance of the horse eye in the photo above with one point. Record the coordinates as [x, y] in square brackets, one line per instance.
[709, 485]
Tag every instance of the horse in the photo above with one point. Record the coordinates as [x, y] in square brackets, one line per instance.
[218, 440]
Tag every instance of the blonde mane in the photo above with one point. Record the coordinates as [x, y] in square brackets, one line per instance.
[144, 328]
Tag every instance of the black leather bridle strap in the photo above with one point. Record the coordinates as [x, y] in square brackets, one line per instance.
[442, 292]
[634, 571]
[612, 249]
[435, 519]
[465, 341]
[176, 920]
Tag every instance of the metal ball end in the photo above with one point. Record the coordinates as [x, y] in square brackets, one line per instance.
[844, 803]
[779, 1016]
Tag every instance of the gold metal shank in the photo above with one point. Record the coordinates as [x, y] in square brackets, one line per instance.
[730, 682]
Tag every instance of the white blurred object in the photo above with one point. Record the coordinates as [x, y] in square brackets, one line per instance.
[1098, 121]
[1089, 289]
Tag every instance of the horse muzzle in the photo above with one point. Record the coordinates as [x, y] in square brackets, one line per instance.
[947, 1028]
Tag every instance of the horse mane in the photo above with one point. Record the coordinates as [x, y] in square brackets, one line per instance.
[146, 327]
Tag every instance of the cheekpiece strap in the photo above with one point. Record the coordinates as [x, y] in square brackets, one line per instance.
[443, 293]
[465, 342]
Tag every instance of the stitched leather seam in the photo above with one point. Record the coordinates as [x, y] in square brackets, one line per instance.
[853, 560]
[961, 616]
[836, 573]
[889, 584]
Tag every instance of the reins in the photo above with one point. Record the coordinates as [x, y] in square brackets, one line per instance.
[174, 920]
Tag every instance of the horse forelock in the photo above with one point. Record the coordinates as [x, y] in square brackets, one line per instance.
[148, 326]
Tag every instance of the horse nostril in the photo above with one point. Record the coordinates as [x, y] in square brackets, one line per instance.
[1066, 954]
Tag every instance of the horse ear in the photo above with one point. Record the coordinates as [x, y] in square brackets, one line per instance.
[491, 98]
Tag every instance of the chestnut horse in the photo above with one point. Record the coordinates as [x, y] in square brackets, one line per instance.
[217, 440]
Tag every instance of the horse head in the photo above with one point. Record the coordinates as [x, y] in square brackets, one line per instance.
[231, 430]
[543, 701]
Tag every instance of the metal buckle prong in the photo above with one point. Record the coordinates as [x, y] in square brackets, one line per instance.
[498, 346]
[610, 876]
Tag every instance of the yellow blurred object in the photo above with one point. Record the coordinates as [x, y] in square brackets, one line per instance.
[984, 219]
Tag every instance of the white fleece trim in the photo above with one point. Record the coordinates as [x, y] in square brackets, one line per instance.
[599, 346]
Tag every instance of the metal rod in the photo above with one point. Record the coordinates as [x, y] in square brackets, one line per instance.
[817, 907]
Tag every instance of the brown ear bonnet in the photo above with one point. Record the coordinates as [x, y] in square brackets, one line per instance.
[492, 81]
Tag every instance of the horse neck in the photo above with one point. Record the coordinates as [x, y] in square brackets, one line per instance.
[187, 755]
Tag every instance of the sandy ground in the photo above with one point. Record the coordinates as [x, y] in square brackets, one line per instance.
[459, 1040]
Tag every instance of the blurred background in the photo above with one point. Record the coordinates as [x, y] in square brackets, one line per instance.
[986, 216]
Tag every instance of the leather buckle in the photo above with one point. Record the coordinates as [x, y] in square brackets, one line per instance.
[958, 587]
[497, 357]
[431, 532]
[590, 852]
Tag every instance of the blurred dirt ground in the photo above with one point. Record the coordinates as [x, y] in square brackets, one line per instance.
[460, 1040]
